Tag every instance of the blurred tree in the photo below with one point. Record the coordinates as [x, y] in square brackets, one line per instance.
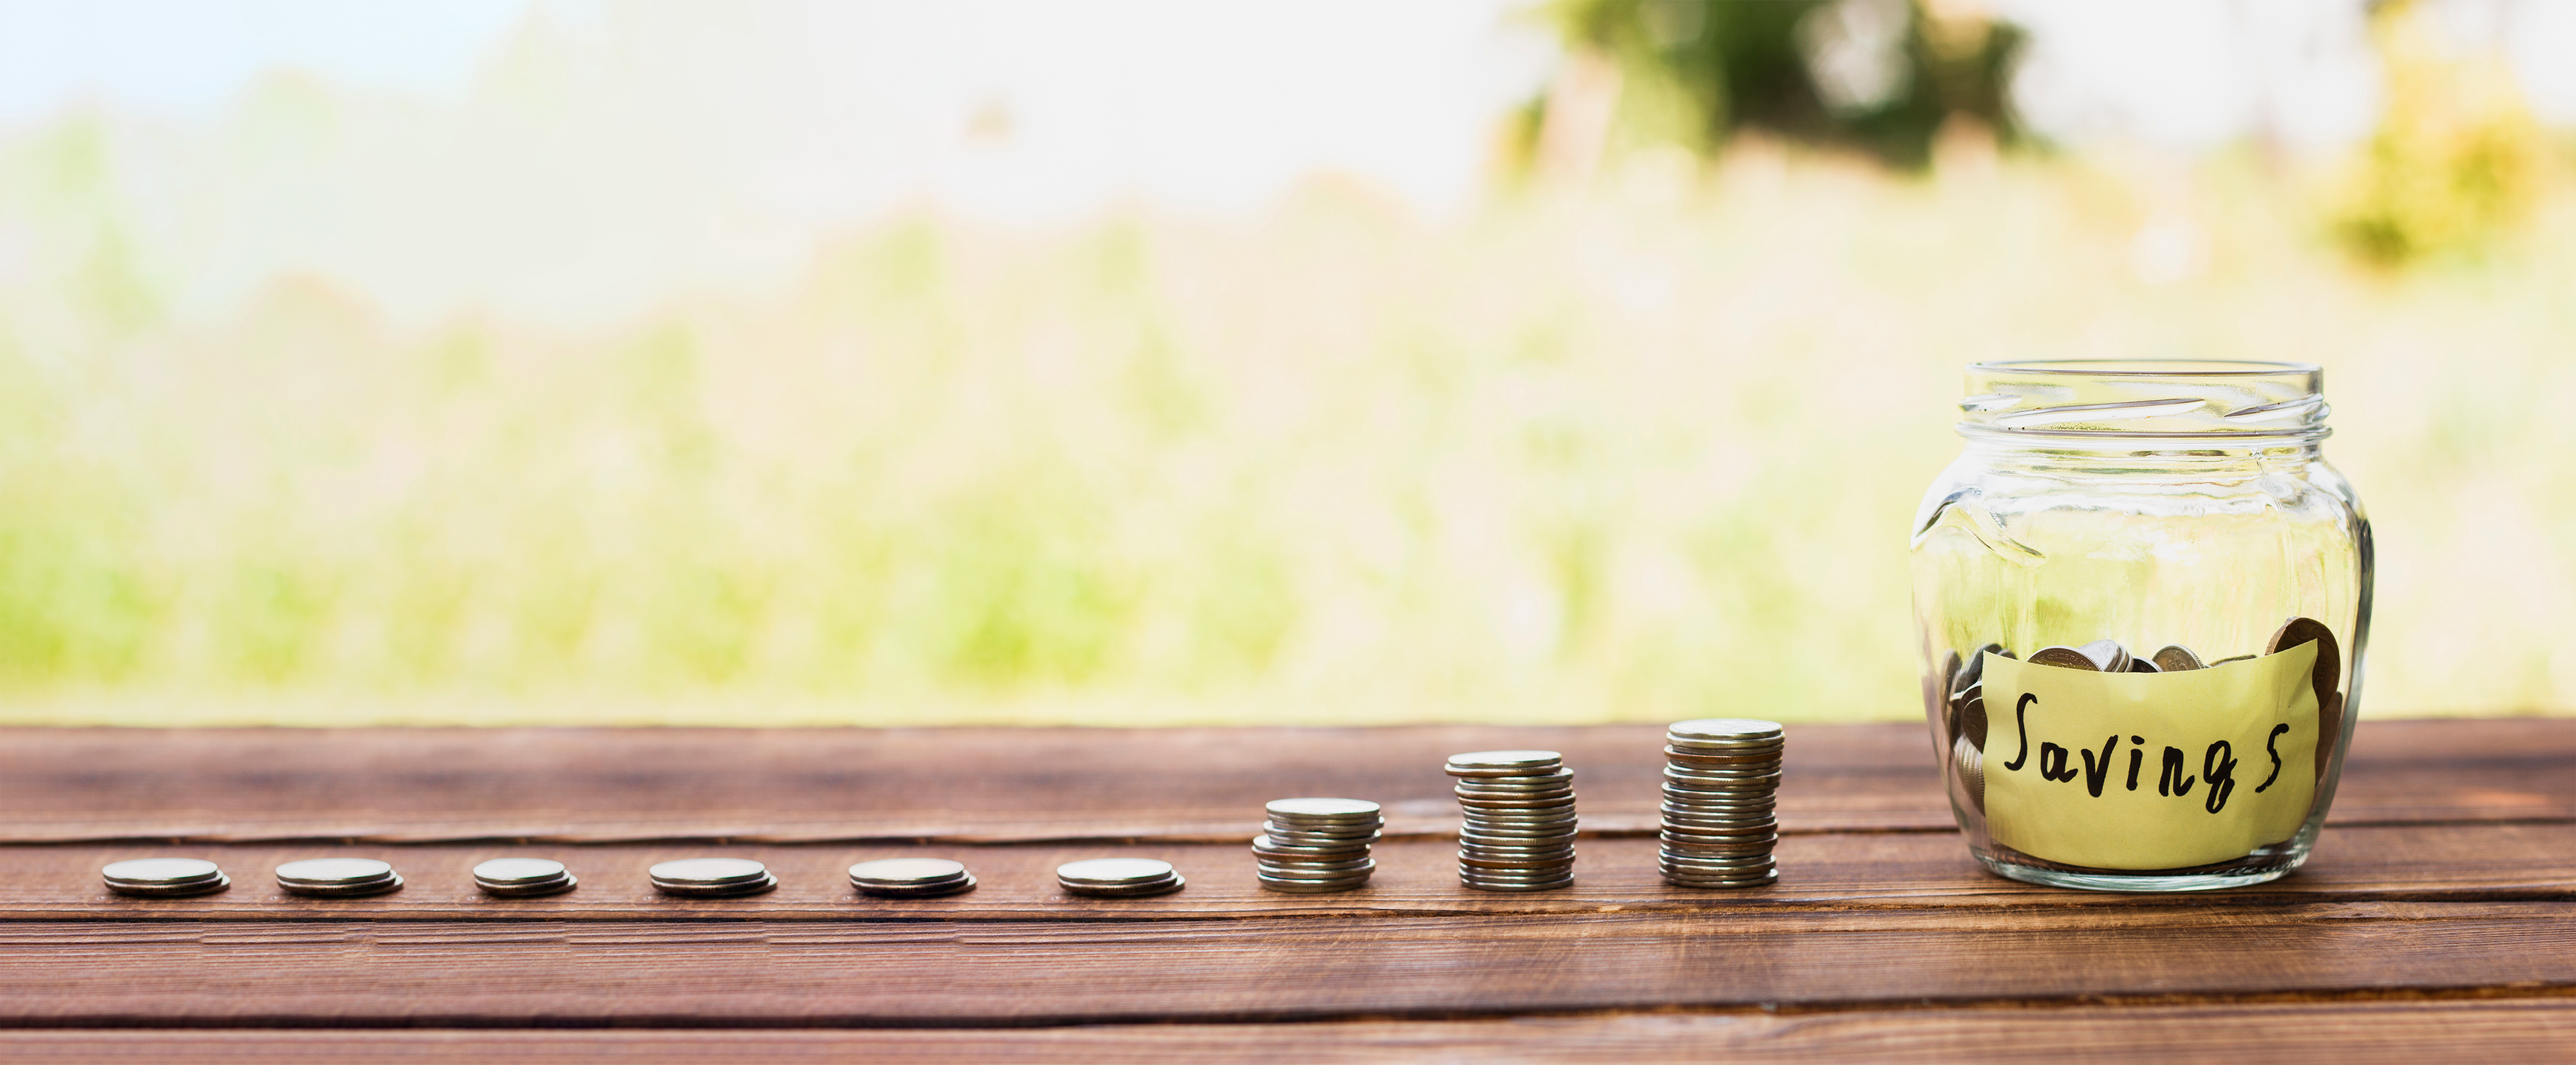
[2457, 158]
[1881, 76]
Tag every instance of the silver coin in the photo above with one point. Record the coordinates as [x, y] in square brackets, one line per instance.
[333, 872]
[1557, 794]
[1489, 791]
[508, 871]
[1510, 834]
[172, 891]
[1114, 872]
[1307, 885]
[1557, 801]
[1360, 870]
[906, 872]
[1299, 838]
[1515, 885]
[1765, 827]
[1515, 854]
[1503, 763]
[1718, 814]
[348, 889]
[919, 891]
[1346, 865]
[707, 872]
[529, 889]
[160, 872]
[1268, 845]
[1529, 779]
[2176, 658]
[1720, 838]
[1353, 880]
[766, 883]
[1106, 891]
[1675, 849]
[1697, 790]
[1706, 867]
[1532, 863]
[1744, 871]
[1324, 809]
[1763, 880]
[1719, 762]
[1348, 828]
[1724, 729]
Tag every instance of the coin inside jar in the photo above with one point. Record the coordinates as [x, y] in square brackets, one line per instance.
[164, 877]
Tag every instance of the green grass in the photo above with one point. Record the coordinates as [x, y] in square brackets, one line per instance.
[1641, 451]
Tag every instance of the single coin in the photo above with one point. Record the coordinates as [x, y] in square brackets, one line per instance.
[1310, 885]
[2108, 655]
[1687, 756]
[333, 872]
[949, 887]
[1720, 835]
[1488, 850]
[1764, 880]
[764, 884]
[1747, 849]
[2175, 658]
[1481, 884]
[1689, 865]
[513, 871]
[1324, 809]
[1283, 839]
[556, 886]
[1552, 788]
[1722, 776]
[1113, 872]
[1340, 871]
[2324, 676]
[707, 872]
[1503, 763]
[1972, 719]
[1289, 829]
[2064, 658]
[906, 873]
[1106, 891]
[1724, 728]
[164, 877]
[160, 872]
[2141, 665]
[1511, 830]
[1271, 845]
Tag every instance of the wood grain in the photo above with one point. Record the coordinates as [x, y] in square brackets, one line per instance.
[978, 785]
[945, 973]
[2348, 1033]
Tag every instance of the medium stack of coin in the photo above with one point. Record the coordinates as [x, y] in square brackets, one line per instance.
[1518, 821]
[1313, 846]
[337, 877]
[1720, 776]
[712, 877]
[1118, 877]
[510, 877]
[164, 877]
[911, 878]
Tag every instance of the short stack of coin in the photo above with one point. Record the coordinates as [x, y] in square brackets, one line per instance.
[1720, 777]
[1517, 828]
[337, 877]
[164, 877]
[517, 877]
[1314, 846]
[1118, 877]
[712, 877]
[911, 878]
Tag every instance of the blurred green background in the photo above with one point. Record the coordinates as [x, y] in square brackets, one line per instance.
[1158, 363]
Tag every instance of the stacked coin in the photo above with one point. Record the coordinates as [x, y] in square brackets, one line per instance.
[337, 877]
[1517, 832]
[1720, 775]
[1312, 846]
[712, 877]
[164, 877]
[523, 876]
[910, 878]
[1118, 877]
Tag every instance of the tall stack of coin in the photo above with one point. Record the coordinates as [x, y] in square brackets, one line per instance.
[1517, 829]
[1313, 846]
[1720, 776]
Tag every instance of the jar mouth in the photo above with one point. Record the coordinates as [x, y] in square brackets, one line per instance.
[2145, 397]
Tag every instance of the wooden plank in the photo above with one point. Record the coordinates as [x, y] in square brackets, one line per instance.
[972, 974]
[975, 785]
[2349, 1033]
[1415, 876]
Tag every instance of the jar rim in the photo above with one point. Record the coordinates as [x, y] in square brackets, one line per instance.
[2139, 367]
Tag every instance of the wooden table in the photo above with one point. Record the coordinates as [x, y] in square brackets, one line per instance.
[2433, 921]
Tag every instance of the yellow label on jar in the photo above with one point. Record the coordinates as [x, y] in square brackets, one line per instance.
[2149, 770]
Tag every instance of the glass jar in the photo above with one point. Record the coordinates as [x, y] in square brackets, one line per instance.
[2143, 597]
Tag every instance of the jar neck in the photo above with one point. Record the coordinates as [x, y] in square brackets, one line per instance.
[2203, 452]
